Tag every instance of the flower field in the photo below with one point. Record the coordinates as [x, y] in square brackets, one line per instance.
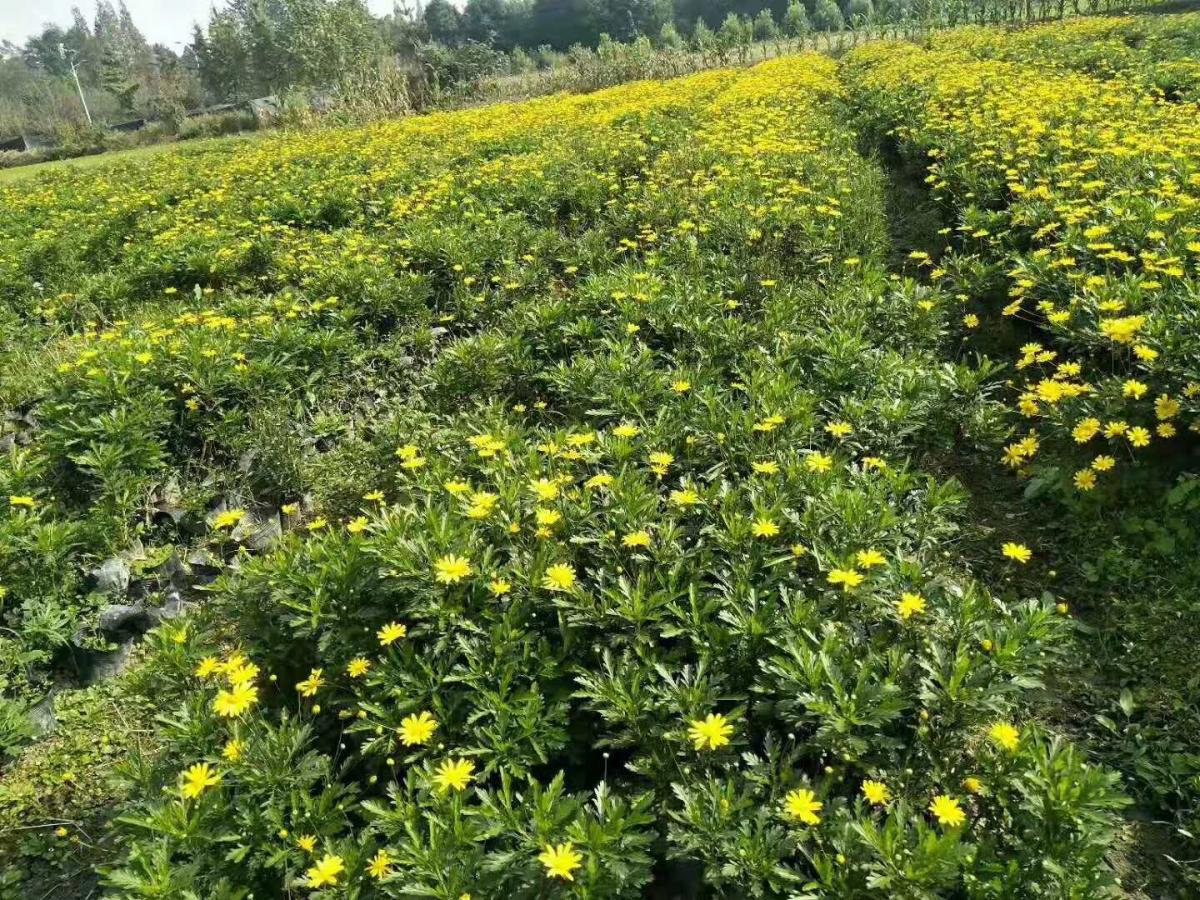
[574, 498]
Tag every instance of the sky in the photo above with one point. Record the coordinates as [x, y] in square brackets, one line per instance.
[161, 21]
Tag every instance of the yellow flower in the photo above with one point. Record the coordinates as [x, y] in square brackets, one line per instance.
[803, 806]
[599, 481]
[765, 528]
[636, 539]
[198, 778]
[380, 865]
[1165, 407]
[236, 700]
[660, 461]
[310, 685]
[682, 386]
[973, 784]
[711, 732]
[390, 633]
[818, 462]
[358, 667]
[358, 525]
[560, 861]
[947, 811]
[1018, 552]
[451, 569]
[766, 467]
[1085, 479]
[208, 667]
[454, 774]
[499, 587]
[910, 605]
[229, 518]
[1145, 353]
[20, 500]
[307, 842]
[685, 497]
[240, 670]
[876, 792]
[233, 750]
[417, 729]
[769, 424]
[847, 578]
[1134, 388]
[1005, 735]
[626, 430]
[1103, 463]
[482, 505]
[326, 871]
[1085, 430]
[1139, 437]
[839, 429]
[1122, 330]
[559, 577]
[869, 558]
[545, 489]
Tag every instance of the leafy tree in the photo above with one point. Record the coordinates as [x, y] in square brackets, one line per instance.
[827, 16]
[445, 23]
[521, 62]
[861, 11]
[795, 20]
[668, 37]
[765, 28]
[497, 22]
[116, 79]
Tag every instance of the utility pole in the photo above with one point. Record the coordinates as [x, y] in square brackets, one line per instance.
[69, 56]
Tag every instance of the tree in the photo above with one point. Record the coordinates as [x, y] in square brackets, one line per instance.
[827, 16]
[497, 22]
[668, 37]
[223, 57]
[735, 34]
[115, 78]
[703, 38]
[795, 20]
[765, 28]
[444, 22]
[562, 23]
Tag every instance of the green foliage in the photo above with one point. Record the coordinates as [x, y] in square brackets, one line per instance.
[563, 497]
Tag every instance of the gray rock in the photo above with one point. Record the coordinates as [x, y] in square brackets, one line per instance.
[127, 619]
[110, 665]
[42, 717]
[175, 607]
[113, 576]
[174, 571]
[266, 535]
[201, 558]
[244, 528]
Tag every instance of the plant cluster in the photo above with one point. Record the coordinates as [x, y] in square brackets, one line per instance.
[560, 469]
[1077, 204]
[1068, 161]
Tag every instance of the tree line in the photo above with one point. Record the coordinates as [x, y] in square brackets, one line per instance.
[252, 48]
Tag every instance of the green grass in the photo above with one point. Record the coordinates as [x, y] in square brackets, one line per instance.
[17, 173]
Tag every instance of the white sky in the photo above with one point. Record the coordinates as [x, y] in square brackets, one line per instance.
[161, 21]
